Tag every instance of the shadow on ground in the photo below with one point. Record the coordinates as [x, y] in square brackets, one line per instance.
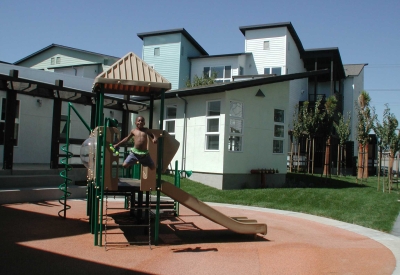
[18, 227]
[176, 231]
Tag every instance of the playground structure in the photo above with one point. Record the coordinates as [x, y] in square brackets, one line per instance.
[132, 77]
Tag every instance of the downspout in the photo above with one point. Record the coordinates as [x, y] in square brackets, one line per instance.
[183, 161]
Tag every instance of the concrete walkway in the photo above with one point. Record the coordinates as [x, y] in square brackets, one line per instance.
[396, 227]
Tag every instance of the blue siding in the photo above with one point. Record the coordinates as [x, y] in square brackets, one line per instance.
[188, 51]
[167, 64]
[171, 63]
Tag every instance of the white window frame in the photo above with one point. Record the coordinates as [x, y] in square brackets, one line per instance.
[167, 120]
[58, 60]
[266, 45]
[17, 116]
[269, 70]
[157, 51]
[52, 61]
[209, 118]
[278, 138]
[224, 78]
[235, 114]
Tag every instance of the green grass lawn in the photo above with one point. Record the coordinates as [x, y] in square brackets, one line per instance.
[339, 198]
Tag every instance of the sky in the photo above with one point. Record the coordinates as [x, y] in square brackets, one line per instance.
[365, 31]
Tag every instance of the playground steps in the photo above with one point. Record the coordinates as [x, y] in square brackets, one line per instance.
[32, 185]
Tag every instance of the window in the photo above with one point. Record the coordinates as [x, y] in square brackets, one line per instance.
[156, 51]
[3, 120]
[241, 70]
[212, 124]
[58, 60]
[273, 70]
[221, 73]
[279, 131]
[170, 117]
[52, 61]
[266, 45]
[235, 126]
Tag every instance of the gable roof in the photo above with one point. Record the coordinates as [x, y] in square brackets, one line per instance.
[181, 30]
[288, 25]
[353, 69]
[131, 76]
[60, 46]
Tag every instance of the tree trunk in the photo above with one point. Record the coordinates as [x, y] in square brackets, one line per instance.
[379, 167]
[291, 158]
[308, 142]
[298, 157]
[339, 159]
[327, 165]
[366, 153]
[360, 167]
[390, 168]
[313, 156]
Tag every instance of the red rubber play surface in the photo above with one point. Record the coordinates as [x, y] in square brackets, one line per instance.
[35, 240]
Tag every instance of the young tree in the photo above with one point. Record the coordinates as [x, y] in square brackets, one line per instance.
[382, 132]
[312, 120]
[343, 131]
[394, 146]
[326, 130]
[297, 132]
[366, 118]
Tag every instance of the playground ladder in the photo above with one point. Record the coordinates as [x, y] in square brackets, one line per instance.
[133, 224]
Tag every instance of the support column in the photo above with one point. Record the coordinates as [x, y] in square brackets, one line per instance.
[55, 133]
[315, 80]
[11, 107]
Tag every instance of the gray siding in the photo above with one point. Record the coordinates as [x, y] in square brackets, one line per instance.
[68, 58]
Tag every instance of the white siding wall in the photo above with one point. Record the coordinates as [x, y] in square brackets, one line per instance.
[258, 131]
[299, 87]
[275, 56]
[352, 87]
[90, 71]
[197, 159]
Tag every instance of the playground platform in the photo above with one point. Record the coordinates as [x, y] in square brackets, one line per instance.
[36, 241]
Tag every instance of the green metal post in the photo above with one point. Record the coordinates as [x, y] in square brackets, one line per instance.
[103, 164]
[67, 168]
[177, 181]
[159, 165]
[99, 157]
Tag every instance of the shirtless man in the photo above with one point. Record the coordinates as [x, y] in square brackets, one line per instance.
[139, 152]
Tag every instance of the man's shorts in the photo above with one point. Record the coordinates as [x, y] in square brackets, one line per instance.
[144, 160]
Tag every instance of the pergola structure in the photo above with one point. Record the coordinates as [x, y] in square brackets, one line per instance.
[20, 80]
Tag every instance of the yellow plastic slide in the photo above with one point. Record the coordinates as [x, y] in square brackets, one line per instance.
[239, 225]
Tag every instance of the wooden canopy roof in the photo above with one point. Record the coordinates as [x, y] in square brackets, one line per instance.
[131, 76]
